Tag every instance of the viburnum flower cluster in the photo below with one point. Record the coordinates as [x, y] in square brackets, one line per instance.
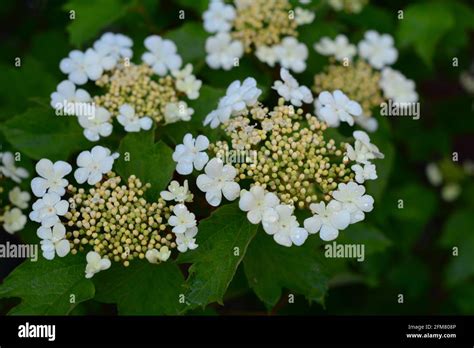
[288, 161]
[137, 95]
[266, 27]
[106, 215]
[369, 80]
[11, 213]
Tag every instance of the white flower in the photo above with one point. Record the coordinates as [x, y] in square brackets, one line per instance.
[292, 54]
[353, 200]
[190, 86]
[363, 150]
[217, 180]
[54, 241]
[182, 219]
[328, 220]
[95, 264]
[115, 45]
[177, 193]
[378, 49]
[450, 192]
[290, 90]
[155, 256]
[9, 169]
[162, 55]
[367, 172]
[435, 177]
[218, 17]
[186, 241]
[93, 164]
[13, 220]
[183, 73]
[284, 226]
[238, 97]
[191, 154]
[397, 87]
[82, 67]
[51, 177]
[47, 209]
[98, 126]
[222, 51]
[19, 198]
[340, 47]
[131, 121]
[66, 92]
[256, 201]
[303, 16]
[186, 82]
[266, 55]
[179, 111]
[336, 107]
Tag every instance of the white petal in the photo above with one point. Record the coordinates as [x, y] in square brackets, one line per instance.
[282, 239]
[62, 168]
[61, 208]
[200, 160]
[313, 224]
[214, 197]
[44, 233]
[247, 201]
[39, 186]
[328, 233]
[254, 216]
[231, 190]
[184, 168]
[45, 168]
[298, 236]
[63, 247]
[59, 231]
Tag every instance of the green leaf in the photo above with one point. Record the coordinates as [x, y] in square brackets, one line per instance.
[45, 287]
[362, 233]
[402, 274]
[19, 84]
[142, 288]
[458, 36]
[458, 232]
[149, 161]
[50, 58]
[39, 133]
[423, 25]
[91, 17]
[197, 5]
[371, 18]
[223, 239]
[417, 206]
[191, 40]
[271, 267]
[463, 299]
